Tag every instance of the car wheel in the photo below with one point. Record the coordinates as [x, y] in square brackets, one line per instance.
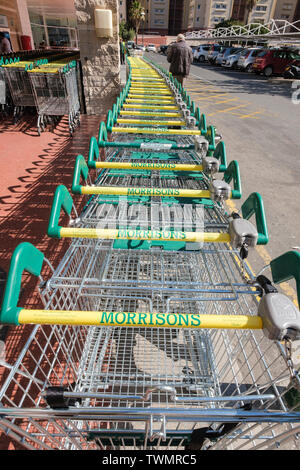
[201, 58]
[268, 71]
[248, 68]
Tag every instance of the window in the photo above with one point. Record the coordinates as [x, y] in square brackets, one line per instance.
[220, 6]
[285, 17]
[159, 22]
[199, 7]
[261, 8]
[159, 10]
[262, 54]
[198, 18]
[255, 52]
[287, 6]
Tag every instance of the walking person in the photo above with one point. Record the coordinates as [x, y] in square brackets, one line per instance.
[180, 56]
[5, 45]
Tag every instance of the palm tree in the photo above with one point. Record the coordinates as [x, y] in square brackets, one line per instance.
[250, 4]
[137, 14]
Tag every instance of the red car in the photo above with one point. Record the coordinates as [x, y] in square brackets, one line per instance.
[273, 61]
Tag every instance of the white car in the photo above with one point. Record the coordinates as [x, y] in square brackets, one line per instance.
[247, 58]
[201, 53]
[151, 48]
[231, 61]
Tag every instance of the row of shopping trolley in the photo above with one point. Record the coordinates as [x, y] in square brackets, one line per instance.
[50, 85]
[154, 333]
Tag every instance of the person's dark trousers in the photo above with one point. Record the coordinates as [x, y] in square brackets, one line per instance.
[179, 78]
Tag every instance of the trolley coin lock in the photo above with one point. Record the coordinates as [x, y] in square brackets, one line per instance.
[281, 318]
[242, 233]
[219, 190]
[211, 165]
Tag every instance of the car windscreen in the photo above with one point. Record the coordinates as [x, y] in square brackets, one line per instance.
[262, 54]
[294, 56]
[256, 52]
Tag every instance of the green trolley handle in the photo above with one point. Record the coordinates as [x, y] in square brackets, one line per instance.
[233, 173]
[28, 258]
[286, 267]
[254, 205]
[25, 258]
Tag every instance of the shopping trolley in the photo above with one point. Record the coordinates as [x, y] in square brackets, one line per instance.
[108, 379]
[3, 88]
[55, 92]
[19, 87]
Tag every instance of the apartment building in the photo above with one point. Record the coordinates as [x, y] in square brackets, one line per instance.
[218, 11]
[265, 10]
[122, 10]
[175, 16]
[285, 10]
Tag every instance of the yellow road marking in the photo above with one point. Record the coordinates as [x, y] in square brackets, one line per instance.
[226, 101]
[212, 96]
[250, 115]
[226, 110]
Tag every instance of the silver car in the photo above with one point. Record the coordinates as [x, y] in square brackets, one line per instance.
[232, 60]
[247, 58]
[224, 54]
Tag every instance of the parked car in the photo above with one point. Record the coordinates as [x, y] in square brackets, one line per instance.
[201, 53]
[130, 44]
[224, 54]
[140, 47]
[232, 59]
[247, 58]
[163, 49]
[213, 52]
[273, 61]
[292, 70]
[151, 48]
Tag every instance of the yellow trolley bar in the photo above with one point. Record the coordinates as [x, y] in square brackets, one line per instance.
[150, 122]
[150, 192]
[138, 320]
[144, 113]
[149, 166]
[151, 235]
[142, 130]
[142, 106]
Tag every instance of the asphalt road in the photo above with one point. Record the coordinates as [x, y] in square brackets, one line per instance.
[260, 126]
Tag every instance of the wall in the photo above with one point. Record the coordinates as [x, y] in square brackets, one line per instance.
[100, 57]
[8, 8]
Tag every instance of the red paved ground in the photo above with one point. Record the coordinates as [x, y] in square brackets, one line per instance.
[31, 169]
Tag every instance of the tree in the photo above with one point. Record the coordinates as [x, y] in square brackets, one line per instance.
[250, 4]
[228, 23]
[137, 14]
[125, 32]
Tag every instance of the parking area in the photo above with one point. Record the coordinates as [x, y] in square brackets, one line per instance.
[259, 123]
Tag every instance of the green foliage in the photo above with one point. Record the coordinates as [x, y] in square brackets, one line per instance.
[126, 33]
[228, 24]
[136, 14]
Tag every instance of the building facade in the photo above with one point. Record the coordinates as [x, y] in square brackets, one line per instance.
[285, 10]
[14, 20]
[122, 10]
